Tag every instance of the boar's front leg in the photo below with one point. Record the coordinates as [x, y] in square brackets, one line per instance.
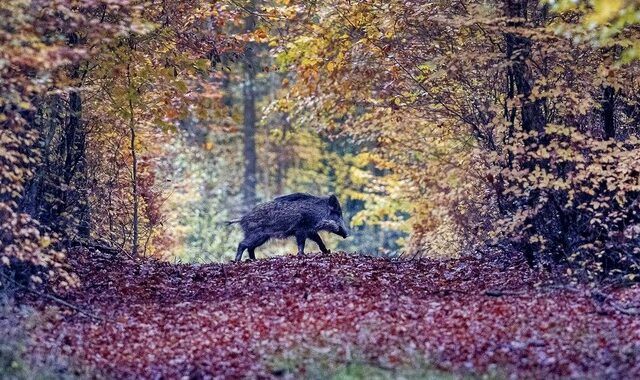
[300, 238]
[316, 237]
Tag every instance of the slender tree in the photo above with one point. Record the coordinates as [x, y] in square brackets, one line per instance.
[249, 129]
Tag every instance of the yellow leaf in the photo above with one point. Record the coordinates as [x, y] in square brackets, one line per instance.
[605, 10]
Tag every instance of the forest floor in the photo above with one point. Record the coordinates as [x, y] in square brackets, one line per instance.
[342, 316]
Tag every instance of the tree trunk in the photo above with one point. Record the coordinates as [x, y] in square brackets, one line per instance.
[608, 112]
[134, 187]
[59, 187]
[281, 160]
[34, 200]
[134, 168]
[75, 162]
[249, 129]
[75, 167]
[518, 49]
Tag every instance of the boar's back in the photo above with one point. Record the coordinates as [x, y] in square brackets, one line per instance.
[294, 197]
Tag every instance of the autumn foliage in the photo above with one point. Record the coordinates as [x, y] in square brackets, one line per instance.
[475, 127]
[504, 134]
[87, 86]
[503, 119]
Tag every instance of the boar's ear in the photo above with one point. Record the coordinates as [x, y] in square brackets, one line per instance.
[334, 204]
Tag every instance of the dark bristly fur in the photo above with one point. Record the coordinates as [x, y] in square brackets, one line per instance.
[299, 214]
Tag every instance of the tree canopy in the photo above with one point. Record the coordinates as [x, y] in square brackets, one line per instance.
[484, 152]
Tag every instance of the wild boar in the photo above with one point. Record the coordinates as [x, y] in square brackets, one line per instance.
[299, 214]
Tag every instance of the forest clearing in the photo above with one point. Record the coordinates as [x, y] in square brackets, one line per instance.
[335, 189]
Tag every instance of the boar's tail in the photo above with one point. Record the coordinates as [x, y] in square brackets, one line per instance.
[230, 222]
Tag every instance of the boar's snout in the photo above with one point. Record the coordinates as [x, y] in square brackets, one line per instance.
[342, 230]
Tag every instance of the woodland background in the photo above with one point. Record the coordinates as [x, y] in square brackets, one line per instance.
[447, 129]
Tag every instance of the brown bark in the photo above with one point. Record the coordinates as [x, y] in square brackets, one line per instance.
[134, 168]
[249, 123]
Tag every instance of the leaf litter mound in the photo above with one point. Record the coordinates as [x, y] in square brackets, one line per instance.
[466, 316]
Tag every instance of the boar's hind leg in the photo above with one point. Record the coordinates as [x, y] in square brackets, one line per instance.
[241, 247]
[250, 244]
[315, 237]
